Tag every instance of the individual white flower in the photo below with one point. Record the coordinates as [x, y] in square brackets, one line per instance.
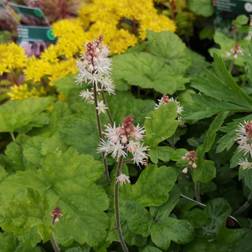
[245, 164]
[107, 85]
[112, 133]
[139, 153]
[105, 147]
[118, 150]
[101, 107]
[244, 138]
[87, 95]
[138, 133]
[185, 170]
[123, 179]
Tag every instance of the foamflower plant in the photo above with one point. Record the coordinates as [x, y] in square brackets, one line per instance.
[95, 71]
[123, 142]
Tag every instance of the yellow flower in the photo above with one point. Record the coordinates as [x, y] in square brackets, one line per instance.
[12, 57]
[122, 23]
[71, 37]
[62, 69]
[37, 69]
[155, 23]
[23, 91]
[105, 17]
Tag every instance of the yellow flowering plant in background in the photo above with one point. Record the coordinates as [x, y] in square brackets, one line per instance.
[122, 23]
[12, 57]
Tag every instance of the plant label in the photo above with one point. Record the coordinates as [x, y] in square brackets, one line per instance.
[35, 33]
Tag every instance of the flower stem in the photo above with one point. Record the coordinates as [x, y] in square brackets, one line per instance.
[117, 207]
[108, 110]
[98, 121]
[54, 243]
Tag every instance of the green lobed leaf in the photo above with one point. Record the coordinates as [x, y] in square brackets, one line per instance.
[169, 47]
[167, 207]
[66, 180]
[170, 229]
[153, 186]
[27, 218]
[218, 210]
[209, 137]
[147, 71]
[200, 106]
[137, 217]
[201, 7]
[166, 153]
[221, 86]
[29, 152]
[204, 172]
[160, 124]
[9, 244]
[124, 103]
[23, 115]
[160, 64]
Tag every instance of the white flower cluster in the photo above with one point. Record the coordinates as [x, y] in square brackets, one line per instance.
[165, 100]
[235, 52]
[95, 70]
[191, 158]
[244, 138]
[124, 140]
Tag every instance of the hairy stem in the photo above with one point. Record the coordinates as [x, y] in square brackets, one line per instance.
[54, 243]
[98, 121]
[108, 110]
[117, 207]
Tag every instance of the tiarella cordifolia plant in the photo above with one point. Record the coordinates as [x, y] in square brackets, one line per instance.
[95, 71]
[124, 143]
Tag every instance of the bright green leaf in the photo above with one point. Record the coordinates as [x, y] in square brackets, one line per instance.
[160, 124]
[170, 229]
[23, 115]
[153, 186]
[66, 180]
[201, 7]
